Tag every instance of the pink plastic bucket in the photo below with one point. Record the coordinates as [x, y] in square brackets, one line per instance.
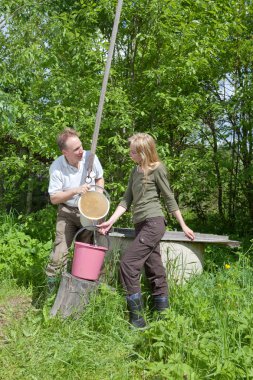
[87, 261]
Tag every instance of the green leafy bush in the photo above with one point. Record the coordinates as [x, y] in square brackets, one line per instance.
[25, 247]
[41, 224]
[22, 257]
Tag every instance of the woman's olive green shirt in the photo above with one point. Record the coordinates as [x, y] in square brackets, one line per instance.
[144, 194]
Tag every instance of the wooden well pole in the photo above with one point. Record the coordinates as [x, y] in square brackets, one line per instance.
[104, 86]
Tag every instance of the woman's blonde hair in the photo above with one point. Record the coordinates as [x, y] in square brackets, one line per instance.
[145, 146]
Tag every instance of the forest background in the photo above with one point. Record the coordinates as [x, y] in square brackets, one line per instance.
[181, 71]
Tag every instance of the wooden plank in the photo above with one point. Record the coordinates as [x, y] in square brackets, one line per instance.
[179, 236]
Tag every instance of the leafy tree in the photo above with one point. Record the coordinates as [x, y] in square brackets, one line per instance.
[182, 71]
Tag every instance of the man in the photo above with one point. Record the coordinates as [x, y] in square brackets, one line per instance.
[67, 182]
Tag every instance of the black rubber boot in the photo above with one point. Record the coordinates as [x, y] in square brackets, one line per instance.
[135, 307]
[161, 303]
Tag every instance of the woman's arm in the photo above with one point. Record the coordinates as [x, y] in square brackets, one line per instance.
[188, 232]
[172, 206]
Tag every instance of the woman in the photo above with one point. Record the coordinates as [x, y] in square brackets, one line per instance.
[147, 181]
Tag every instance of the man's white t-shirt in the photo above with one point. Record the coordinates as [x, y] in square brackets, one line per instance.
[64, 176]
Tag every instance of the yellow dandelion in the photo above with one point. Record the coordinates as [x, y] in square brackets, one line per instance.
[227, 266]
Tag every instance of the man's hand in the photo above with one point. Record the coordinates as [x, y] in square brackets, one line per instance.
[82, 189]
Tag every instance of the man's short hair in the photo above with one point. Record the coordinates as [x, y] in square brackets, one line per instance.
[64, 136]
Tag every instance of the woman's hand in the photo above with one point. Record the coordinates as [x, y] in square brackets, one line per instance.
[104, 227]
[188, 232]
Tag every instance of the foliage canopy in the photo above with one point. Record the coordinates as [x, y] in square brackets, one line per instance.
[182, 71]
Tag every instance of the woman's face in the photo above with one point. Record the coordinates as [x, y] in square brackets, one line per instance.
[136, 157]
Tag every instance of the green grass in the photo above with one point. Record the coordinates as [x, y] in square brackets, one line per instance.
[95, 346]
[207, 334]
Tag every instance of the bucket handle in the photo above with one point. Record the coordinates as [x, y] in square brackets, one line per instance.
[95, 228]
[100, 187]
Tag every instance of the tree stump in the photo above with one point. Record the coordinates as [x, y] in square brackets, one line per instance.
[73, 295]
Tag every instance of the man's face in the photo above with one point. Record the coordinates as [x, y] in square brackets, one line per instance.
[73, 151]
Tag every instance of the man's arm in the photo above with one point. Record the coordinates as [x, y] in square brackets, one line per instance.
[64, 196]
[100, 182]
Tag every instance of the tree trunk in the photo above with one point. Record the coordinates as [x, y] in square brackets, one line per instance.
[211, 125]
[29, 197]
[73, 295]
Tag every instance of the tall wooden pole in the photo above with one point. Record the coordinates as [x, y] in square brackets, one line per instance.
[103, 90]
